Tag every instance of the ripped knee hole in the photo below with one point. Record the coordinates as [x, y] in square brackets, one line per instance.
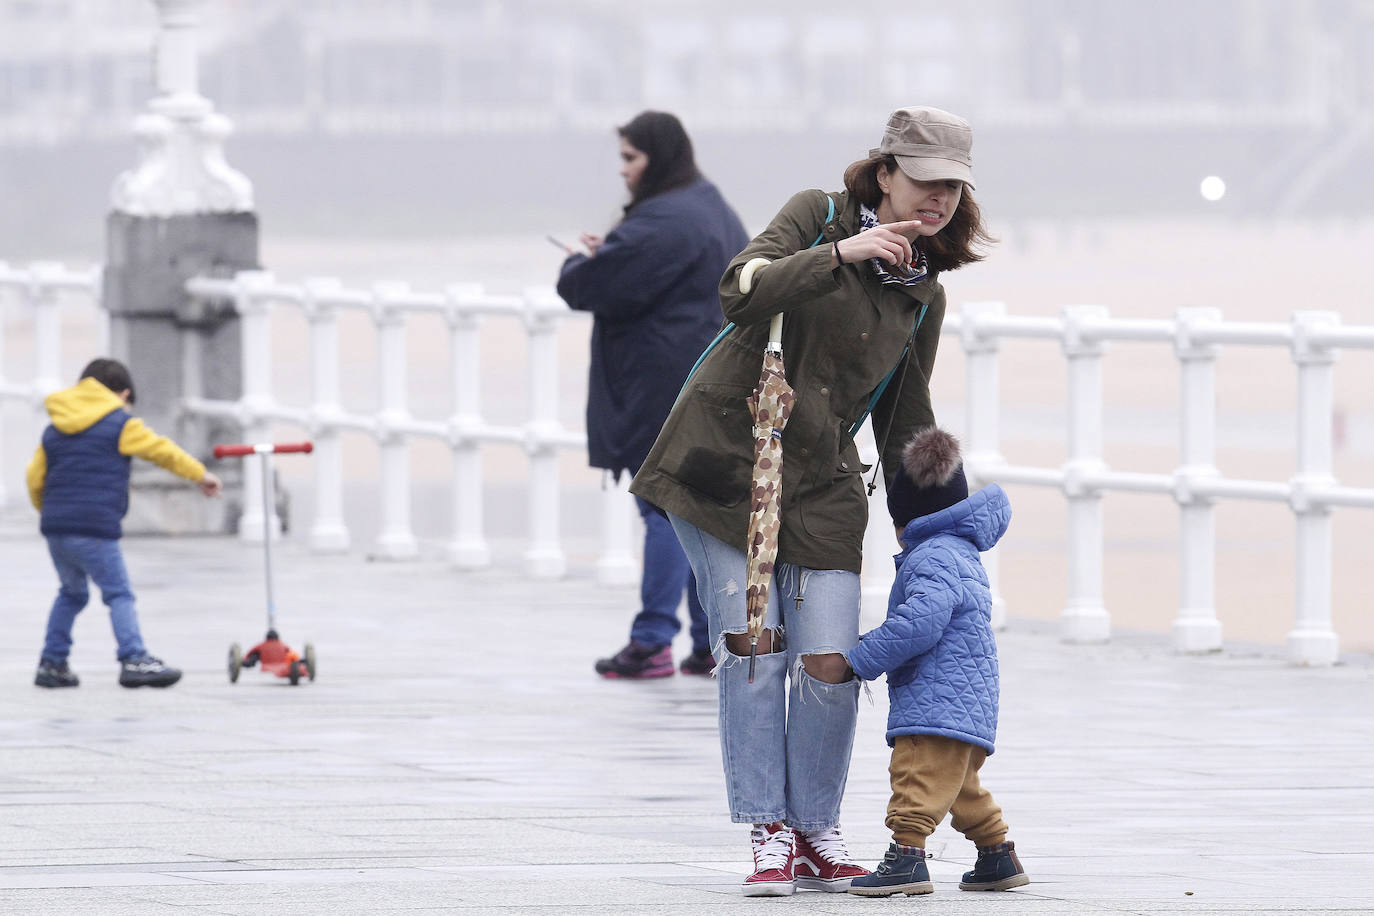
[738, 644]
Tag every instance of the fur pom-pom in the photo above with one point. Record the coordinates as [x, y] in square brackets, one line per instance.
[931, 457]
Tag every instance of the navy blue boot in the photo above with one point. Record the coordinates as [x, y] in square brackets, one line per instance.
[902, 871]
[997, 869]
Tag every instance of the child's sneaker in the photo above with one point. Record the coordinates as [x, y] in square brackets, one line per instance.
[902, 871]
[823, 862]
[701, 661]
[637, 661]
[147, 671]
[775, 852]
[54, 674]
[997, 869]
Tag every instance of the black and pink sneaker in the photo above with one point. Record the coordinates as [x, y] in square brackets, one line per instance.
[637, 661]
[700, 662]
[823, 862]
[774, 856]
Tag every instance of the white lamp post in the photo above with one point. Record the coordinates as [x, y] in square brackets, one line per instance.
[181, 166]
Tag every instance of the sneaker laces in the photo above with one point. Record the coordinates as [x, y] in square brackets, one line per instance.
[829, 844]
[772, 849]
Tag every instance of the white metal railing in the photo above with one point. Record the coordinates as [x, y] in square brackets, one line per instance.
[37, 293]
[1195, 334]
[463, 307]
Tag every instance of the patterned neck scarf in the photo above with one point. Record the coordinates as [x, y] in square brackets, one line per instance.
[910, 274]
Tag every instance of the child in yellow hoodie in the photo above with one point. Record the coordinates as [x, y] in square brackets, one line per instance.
[79, 481]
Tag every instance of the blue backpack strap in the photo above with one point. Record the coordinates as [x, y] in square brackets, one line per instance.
[730, 326]
[829, 215]
[882, 386]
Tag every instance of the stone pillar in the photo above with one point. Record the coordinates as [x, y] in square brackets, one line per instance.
[180, 212]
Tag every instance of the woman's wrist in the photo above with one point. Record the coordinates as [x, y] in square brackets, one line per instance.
[835, 247]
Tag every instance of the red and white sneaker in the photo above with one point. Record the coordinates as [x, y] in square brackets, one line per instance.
[774, 851]
[823, 863]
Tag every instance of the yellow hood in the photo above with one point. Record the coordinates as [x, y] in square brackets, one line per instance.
[81, 406]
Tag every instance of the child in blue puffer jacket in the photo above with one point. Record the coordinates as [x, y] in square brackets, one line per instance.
[937, 649]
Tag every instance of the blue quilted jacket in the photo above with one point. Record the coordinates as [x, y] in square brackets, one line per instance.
[936, 645]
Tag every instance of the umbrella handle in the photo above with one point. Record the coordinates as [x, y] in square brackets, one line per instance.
[746, 283]
[746, 274]
[753, 654]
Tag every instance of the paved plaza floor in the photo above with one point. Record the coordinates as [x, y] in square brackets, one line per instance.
[457, 755]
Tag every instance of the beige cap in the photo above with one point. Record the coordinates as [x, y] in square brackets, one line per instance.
[930, 144]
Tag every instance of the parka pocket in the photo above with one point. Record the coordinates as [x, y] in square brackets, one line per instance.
[712, 451]
[836, 505]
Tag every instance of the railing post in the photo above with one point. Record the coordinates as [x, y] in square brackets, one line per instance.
[616, 565]
[102, 321]
[47, 337]
[879, 543]
[544, 557]
[1312, 641]
[1085, 619]
[255, 322]
[982, 449]
[4, 382]
[468, 549]
[328, 533]
[396, 541]
[1196, 628]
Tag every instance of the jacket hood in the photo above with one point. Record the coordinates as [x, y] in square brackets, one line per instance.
[82, 406]
[982, 519]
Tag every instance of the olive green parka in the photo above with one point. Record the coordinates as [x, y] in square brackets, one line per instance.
[843, 331]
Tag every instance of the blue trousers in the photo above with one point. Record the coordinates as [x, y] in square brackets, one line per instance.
[785, 746]
[76, 558]
[667, 574]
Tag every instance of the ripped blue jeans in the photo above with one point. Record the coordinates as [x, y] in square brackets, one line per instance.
[785, 749]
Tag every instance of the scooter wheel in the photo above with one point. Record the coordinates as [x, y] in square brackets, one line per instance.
[293, 672]
[309, 661]
[235, 662]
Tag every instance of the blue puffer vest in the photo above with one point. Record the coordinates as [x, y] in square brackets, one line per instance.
[936, 645]
[87, 486]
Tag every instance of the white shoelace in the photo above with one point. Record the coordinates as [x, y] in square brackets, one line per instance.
[829, 843]
[771, 850]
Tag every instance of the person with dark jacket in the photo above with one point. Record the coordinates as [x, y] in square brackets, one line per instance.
[856, 276]
[78, 480]
[940, 656]
[651, 286]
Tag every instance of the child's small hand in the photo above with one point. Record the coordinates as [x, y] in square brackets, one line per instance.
[210, 484]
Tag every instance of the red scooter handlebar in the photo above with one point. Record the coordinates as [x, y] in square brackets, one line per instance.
[238, 451]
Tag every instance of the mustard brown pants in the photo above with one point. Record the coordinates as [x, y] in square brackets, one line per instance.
[933, 776]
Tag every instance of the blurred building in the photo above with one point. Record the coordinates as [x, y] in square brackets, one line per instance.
[1277, 94]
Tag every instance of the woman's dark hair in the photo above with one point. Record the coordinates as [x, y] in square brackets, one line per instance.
[959, 243]
[661, 137]
[111, 373]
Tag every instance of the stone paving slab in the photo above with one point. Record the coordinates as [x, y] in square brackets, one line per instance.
[457, 755]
